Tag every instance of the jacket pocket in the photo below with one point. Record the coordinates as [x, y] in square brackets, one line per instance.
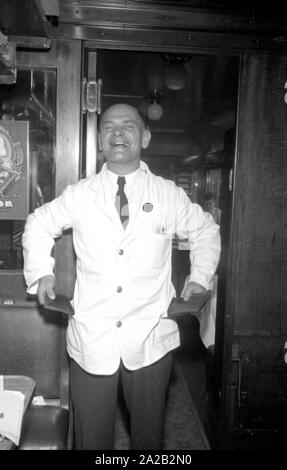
[155, 250]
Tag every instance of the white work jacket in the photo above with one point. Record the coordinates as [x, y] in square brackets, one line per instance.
[123, 284]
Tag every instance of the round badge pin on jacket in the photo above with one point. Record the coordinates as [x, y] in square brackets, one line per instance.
[147, 207]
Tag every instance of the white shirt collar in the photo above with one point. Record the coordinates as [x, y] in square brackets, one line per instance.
[130, 178]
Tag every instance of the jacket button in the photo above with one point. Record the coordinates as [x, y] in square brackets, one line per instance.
[119, 324]
[119, 289]
[121, 252]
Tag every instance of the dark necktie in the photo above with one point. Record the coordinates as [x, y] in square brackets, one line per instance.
[122, 204]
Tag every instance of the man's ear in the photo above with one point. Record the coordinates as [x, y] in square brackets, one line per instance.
[99, 141]
[146, 136]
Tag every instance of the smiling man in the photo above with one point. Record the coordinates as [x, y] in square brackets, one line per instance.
[123, 222]
[122, 137]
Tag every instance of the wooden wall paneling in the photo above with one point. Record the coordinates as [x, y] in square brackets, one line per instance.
[256, 321]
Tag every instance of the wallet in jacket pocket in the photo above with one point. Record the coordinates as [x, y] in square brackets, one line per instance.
[61, 303]
[178, 306]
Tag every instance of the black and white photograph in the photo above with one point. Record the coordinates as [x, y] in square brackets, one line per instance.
[143, 229]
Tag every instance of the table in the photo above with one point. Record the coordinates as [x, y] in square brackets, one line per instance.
[19, 383]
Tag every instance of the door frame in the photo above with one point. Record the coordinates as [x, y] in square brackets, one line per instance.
[92, 48]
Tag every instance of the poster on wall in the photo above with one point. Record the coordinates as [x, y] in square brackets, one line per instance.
[14, 170]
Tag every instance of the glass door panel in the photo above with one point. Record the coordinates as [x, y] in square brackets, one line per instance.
[47, 100]
[27, 168]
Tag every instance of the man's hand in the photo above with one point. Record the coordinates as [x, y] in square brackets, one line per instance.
[190, 289]
[46, 288]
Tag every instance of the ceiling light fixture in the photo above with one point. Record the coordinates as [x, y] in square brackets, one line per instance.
[175, 75]
[154, 110]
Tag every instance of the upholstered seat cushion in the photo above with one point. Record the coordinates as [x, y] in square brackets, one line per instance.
[45, 428]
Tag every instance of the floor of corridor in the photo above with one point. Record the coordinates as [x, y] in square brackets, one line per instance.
[191, 359]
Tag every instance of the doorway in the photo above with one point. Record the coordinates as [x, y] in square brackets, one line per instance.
[189, 102]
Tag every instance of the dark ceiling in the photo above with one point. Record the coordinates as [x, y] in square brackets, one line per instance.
[211, 85]
[195, 118]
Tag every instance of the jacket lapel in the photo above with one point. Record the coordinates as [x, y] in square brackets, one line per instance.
[104, 199]
[105, 202]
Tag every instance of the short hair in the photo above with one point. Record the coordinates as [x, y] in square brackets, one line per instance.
[144, 118]
[209, 197]
[140, 113]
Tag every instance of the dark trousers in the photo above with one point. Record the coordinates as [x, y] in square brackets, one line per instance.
[95, 399]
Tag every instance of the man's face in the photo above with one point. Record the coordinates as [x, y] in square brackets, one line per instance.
[122, 135]
[209, 204]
